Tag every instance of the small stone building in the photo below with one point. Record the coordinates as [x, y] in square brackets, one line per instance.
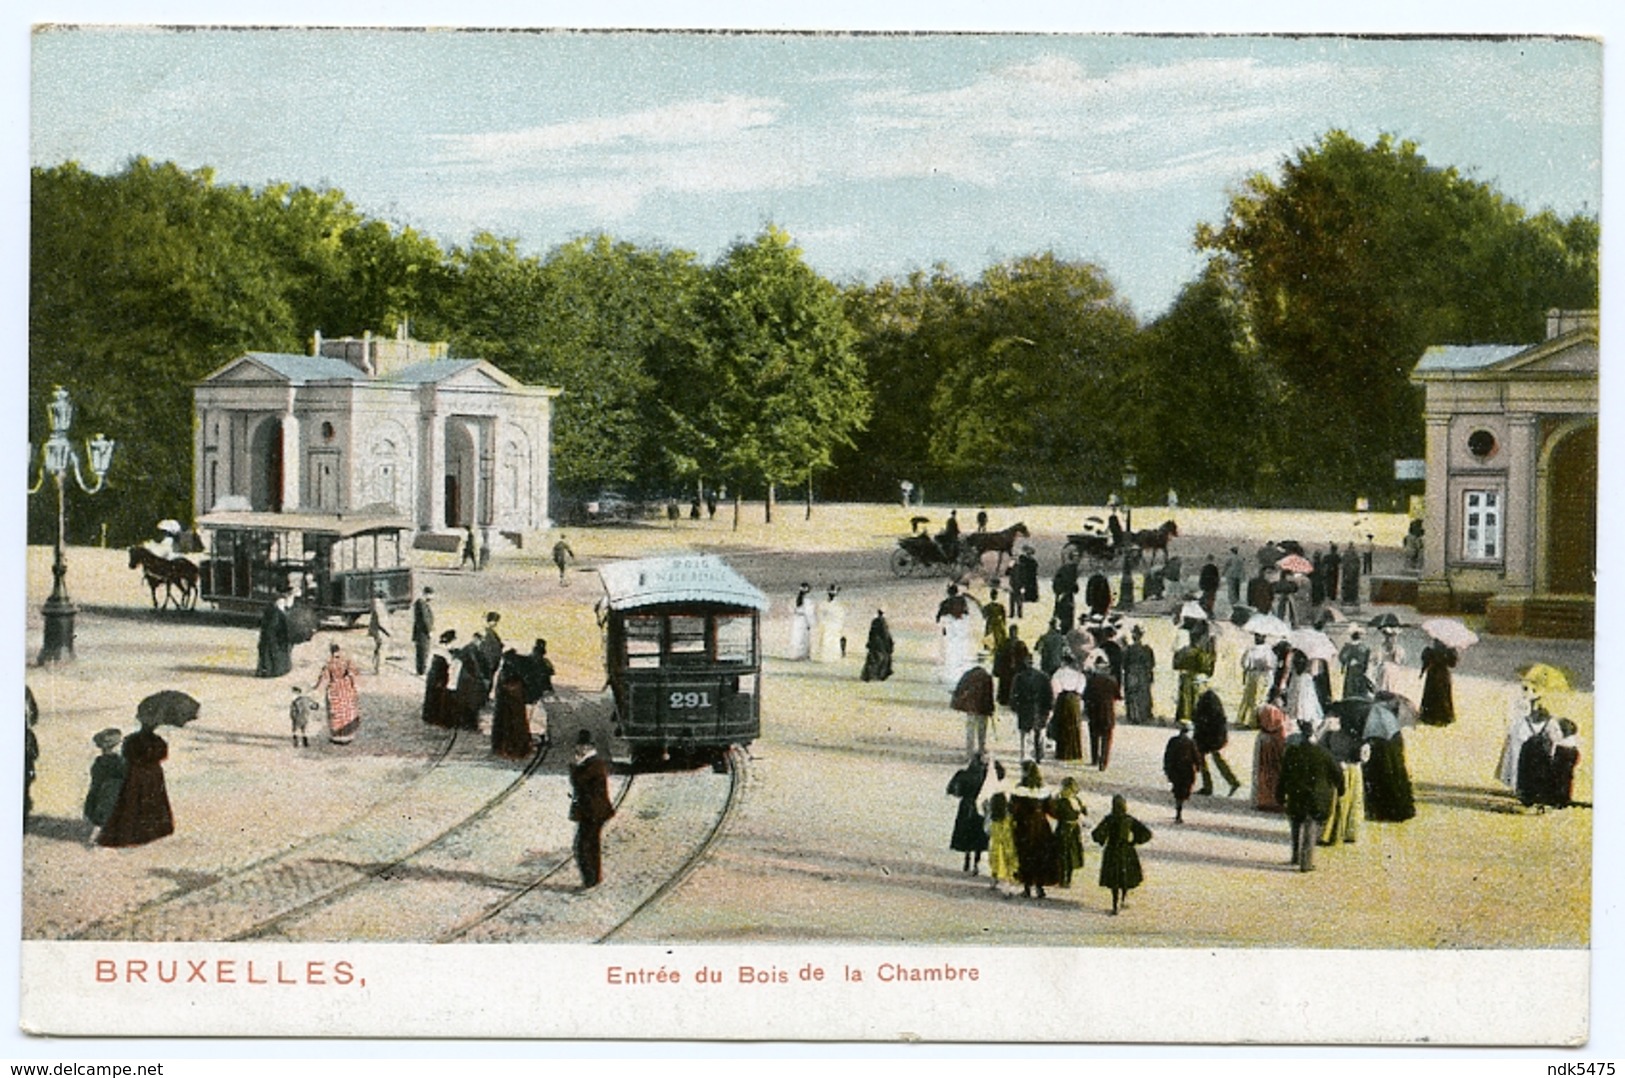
[377, 424]
[1511, 504]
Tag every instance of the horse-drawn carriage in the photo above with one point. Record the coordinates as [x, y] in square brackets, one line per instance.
[924, 555]
[1104, 543]
[332, 564]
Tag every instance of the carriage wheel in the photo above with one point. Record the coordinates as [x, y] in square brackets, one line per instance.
[903, 563]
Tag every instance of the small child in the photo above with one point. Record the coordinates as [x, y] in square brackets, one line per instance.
[106, 779]
[299, 713]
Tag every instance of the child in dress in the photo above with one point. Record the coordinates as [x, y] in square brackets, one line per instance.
[106, 779]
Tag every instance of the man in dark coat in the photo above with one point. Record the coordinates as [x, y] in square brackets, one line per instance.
[1051, 646]
[1010, 657]
[1065, 585]
[1023, 582]
[1097, 594]
[1234, 574]
[276, 640]
[590, 808]
[491, 649]
[1181, 761]
[1139, 671]
[1349, 591]
[1212, 733]
[1333, 564]
[423, 629]
[1308, 786]
[1100, 698]
[1260, 594]
[1207, 582]
[1031, 697]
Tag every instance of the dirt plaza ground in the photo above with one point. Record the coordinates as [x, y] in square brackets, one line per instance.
[841, 834]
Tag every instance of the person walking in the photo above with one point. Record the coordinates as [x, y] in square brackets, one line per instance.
[438, 704]
[423, 630]
[590, 808]
[802, 619]
[1065, 586]
[1066, 725]
[1139, 672]
[1051, 646]
[1348, 810]
[1207, 584]
[970, 832]
[1001, 835]
[343, 708]
[1196, 659]
[1211, 730]
[301, 709]
[958, 642]
[1097, 595]
[1118, 835]
[471, 549]
[141, 812]
[1355, 659]
[1235, 574]
[491, 649]
[1268, 749]
[561, 555]
[1069, 812]
[1023, 582]
[1438, 694]
[1257, 675]
[1308, 786]
[1032, 698]
[378, 628]
[276, 640]
[1100, 696]
[1181, 763]
[107, 773]
[878, 650]
[1008, 660]
[1348, 592]
[832, 627]
[995, 622]
[1035, 840]
[510, 721]
[973, 696]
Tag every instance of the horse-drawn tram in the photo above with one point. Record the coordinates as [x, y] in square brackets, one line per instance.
[333, 564]
[682, 648]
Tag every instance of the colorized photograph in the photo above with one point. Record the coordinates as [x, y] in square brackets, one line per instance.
[930, 496]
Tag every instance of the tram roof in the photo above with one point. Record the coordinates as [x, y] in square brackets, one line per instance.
[343, 525]
[686, 578]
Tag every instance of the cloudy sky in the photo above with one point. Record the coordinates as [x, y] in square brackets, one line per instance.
[879, 153]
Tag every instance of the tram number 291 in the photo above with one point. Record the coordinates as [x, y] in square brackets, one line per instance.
[689, 700]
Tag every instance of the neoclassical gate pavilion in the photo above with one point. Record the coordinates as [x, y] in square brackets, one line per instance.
[377, 424]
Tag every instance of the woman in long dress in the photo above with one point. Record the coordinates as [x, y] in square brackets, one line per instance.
[878, 650]
[1386, 663]
[1035, 840]
[1355, 659]
[1387, 777]
[832, 628]
[802, 618]
[1268, 749]
[1258, 674]
[343, 704]
[970, 831]
[1068, 809]
[1001, 834]
[1438, 695]
[1066, 720]
[1302, 695]
[1118, 835]
[510, 726]
[436, 685]
[142, 813]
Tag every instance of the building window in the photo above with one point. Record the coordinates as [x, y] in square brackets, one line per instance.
[1481, 444]
[1481, 525]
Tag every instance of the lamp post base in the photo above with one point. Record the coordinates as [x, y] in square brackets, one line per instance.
[58, 646]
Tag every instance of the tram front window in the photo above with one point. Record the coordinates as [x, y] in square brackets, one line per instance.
[687, 638]
[642, 642]
[734, 638]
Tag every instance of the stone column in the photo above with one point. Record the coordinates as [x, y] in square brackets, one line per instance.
[200, 478]
[431, 463]
[486, 480]
[292, 460]
[1518, 530]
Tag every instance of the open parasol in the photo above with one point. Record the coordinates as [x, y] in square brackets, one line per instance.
[1385, 621]
[1545, 678]
[1450, 632]
[1240, 614]
[1295, 563]
[167, 707]
[1192, 612]
[1267, 625]
[1401, 706]
[170, 525]
[1381, 722]
[302, 623]
[1313, 643]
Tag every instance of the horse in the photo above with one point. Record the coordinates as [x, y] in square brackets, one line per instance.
[1156, 540]
[1002, 542]
[171, 573]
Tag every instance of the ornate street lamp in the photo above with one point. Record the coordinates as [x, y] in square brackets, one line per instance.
[1131, 480]
[58, 457]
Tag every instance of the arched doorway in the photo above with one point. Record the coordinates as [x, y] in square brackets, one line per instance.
[1571, 518]
[460, 462]
[265, 466]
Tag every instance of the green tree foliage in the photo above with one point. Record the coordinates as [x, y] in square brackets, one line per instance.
[776, 385]
[145, 281]
[1033, 392]
[1356, 259]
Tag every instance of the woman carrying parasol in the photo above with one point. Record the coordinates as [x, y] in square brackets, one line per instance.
[142, 813]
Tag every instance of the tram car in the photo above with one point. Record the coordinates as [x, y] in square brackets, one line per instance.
[683, 653]
[332, 564]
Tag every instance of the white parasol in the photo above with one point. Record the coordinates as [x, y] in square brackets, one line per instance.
[1450, 632]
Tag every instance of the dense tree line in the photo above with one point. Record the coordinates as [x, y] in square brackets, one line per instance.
[1279, 375]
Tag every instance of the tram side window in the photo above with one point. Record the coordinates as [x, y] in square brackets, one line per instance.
[642, 642]
[687, 639]
[734, 638]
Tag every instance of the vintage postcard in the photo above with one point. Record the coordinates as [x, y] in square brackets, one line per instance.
[812, 536]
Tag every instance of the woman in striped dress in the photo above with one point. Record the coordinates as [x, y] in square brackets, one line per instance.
[343, 707]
